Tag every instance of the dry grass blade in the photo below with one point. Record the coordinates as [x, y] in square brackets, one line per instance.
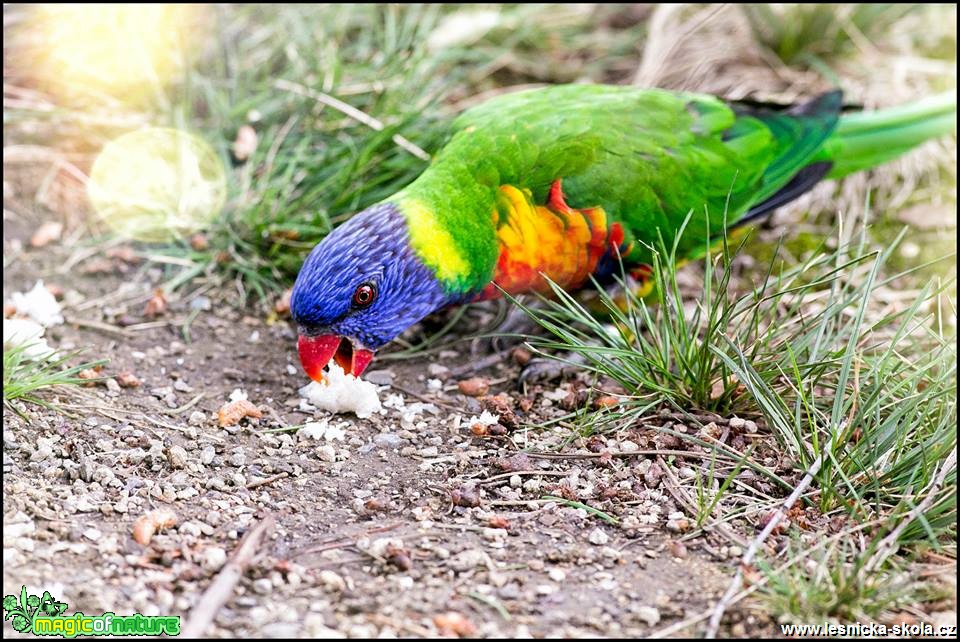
[737, 582]
[350, 111]
[888, 545]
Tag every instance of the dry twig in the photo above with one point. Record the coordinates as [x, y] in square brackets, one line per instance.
[222, 587]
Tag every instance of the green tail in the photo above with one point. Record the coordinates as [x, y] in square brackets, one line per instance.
[867, 139]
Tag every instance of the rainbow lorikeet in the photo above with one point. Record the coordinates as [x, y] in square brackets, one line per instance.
[568, 181]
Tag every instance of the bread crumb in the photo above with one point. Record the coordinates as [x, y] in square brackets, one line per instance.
[343, 393]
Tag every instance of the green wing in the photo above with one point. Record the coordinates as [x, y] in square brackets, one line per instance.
[648, 157]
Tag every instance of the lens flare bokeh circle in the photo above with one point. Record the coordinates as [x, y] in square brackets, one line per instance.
[157, 184]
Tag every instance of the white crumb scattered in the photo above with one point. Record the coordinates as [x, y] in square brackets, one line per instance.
[413, 410]
[343, 393]
[39, 304]
[238, 395]
[394, 400]
[409, 412]
[313, 430]
[28, 333]
[322, 430]
[434, 385]
[334, 433]
[486, 418]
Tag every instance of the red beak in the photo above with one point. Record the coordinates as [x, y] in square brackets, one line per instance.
[316, 352]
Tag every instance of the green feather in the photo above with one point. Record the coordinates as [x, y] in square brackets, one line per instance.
[647, 156]
[868, 139]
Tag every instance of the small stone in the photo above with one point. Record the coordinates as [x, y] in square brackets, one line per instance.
[736, 423]
[191, 529]
[327, 453]
[128, 379]
[474, 387]
[437, 370]
[380, 377]
[649, 615]
[263, 586]
[387, 440]
[454, 624]
[557, 575]
[314, 626]
[597, 537]
[41, 453]
[86, 471]
[197, 418]
[521, 355]
[332, 581]
[467, 560]
[177, 457]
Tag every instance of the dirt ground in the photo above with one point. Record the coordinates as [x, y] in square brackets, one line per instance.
[382, 530]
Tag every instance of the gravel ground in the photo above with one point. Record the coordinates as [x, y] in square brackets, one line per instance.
[404, 524]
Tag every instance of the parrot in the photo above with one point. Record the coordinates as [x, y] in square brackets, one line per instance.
[570, 183]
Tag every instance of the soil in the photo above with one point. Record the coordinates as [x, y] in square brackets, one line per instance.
[408, 524]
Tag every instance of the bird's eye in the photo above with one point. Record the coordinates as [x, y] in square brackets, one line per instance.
[364, 295]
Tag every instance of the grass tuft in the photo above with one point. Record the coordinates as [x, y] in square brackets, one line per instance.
[869, 388]
[24, 377]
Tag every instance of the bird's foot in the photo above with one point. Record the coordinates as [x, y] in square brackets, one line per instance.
[542, 370]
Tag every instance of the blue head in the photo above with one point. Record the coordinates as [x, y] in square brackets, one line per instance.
[360, 287]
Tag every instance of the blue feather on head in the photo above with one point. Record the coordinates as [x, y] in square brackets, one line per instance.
[359, 288]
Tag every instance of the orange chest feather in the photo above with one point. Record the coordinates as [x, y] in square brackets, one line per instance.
[551, 240]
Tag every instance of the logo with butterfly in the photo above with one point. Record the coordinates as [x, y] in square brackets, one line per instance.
[45, 615]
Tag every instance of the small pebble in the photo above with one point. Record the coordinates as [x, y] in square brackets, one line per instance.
[597, 537]
[177, 457]
[649, 615]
